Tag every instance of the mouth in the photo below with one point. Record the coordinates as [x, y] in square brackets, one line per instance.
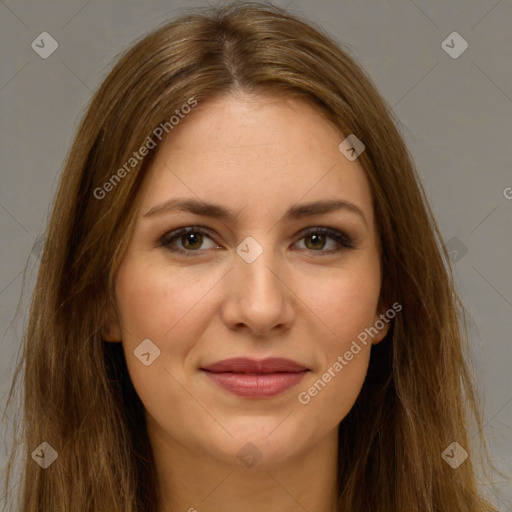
[252, 378]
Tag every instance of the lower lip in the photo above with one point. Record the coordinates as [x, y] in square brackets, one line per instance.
[256, 386]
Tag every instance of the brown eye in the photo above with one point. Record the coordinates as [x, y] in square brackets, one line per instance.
[186, 241]
[317, 239]
[192, 240]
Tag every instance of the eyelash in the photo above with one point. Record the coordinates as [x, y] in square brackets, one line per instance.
[342, 239]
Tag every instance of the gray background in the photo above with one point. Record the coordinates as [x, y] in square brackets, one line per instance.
[455, 115]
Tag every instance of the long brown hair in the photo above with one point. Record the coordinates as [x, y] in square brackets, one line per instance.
[418, 396]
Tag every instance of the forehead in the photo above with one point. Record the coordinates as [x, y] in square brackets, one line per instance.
[255, 153]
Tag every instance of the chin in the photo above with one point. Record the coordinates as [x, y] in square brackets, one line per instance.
[258, 444]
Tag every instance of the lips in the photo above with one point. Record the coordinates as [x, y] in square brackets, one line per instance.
[262, 366]
[253, 378]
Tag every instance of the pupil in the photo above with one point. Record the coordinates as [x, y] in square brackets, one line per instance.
[190, 239]
[316, 238]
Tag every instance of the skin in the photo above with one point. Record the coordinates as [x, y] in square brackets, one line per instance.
[256, 156]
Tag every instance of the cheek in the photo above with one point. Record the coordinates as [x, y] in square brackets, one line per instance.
[344, 305]
[326, 399]
[157, 303]
[343, 353]
[171, 309]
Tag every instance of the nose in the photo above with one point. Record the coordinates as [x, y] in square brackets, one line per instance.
[258, 297]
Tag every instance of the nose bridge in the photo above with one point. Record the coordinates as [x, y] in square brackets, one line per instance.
[256, 267]
[259, 297]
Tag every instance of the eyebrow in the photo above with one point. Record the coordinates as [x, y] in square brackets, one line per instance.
[216, 211]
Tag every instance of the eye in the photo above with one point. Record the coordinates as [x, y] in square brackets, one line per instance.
[318, 240]
[192, 239]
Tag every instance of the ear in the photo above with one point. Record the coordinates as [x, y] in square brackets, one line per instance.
[381, 322]
[111, 330]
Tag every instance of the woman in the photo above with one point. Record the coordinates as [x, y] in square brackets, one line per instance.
[242, 301]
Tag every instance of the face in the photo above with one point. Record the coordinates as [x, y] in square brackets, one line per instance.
[260, 275]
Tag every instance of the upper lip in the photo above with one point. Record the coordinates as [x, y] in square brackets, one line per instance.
[247, 365]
